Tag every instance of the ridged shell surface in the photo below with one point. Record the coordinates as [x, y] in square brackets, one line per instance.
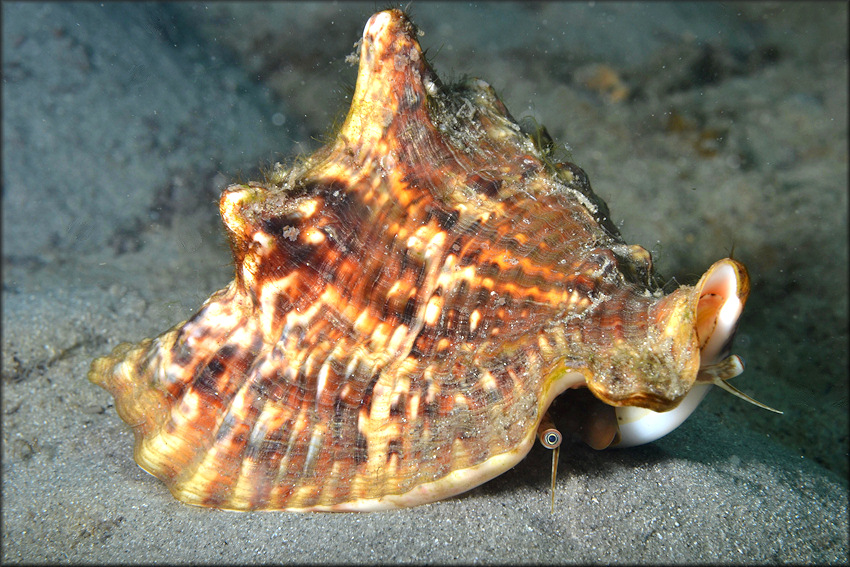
[407, 303]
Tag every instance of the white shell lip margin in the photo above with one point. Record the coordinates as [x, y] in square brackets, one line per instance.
[639, 426]
[722, 281]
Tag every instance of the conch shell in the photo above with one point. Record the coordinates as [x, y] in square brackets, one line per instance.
[407, 303]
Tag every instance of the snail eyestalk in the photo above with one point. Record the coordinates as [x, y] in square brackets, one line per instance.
[719, 373]
[550, 438]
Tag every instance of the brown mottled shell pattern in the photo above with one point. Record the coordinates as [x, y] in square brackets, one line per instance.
[407, 303]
